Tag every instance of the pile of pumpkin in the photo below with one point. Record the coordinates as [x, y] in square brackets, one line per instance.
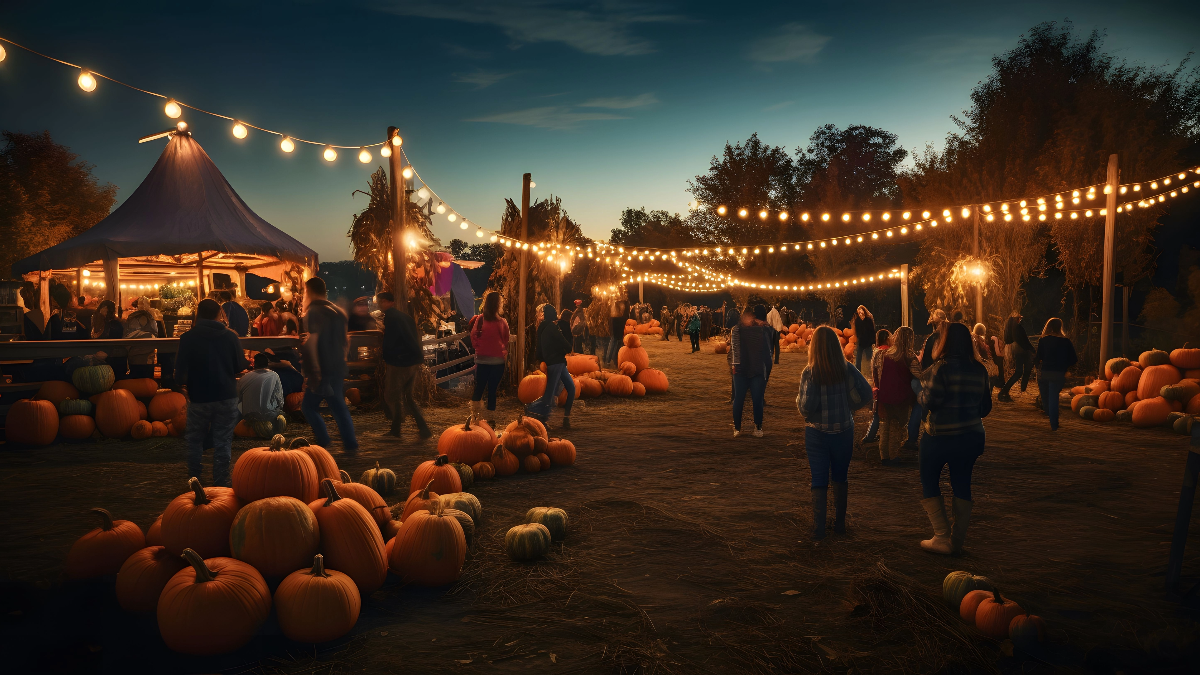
[633, 376]
[795, 338]
[979, 603]
[634, 328]
[474, 450]
[293, 522]
[1160, 389]
[96, 402]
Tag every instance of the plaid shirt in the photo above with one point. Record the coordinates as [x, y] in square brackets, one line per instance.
[829, 408]
[957, 395]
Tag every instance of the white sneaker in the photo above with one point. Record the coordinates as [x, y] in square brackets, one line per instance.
[757, 433]
[737, 432]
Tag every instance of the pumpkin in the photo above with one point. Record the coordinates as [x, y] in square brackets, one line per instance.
[1127, 381]
[1027, 630]
[639, 389]
[31, 423]
[1130, 399]
[1097, 387]
[277, 535]
[505, 463]
[1114, 366]
[350, 539]
[142, 387]
[445, 478]
[1086, 411]
[324, 462]
[179, 421]
[531, 464]
[1151, 413]
[212, 606]
[430, 549]
[561, 451]
[273, 471]
[554, 519]
[970, 603]
[531, 425]
[419, 500]
[75, 406]
[634, 341]
[1103, 415]
[1155, 378]
[464, 521]
[291, 402]
[1153, 357]
[462, 501]
[582, 363]
[93, 379]
[200, 520]
[637, 355]
[317, 605]
[142, 413]
[527, 542]
[484, 470]
[56, 391]
[389, 531]
[1185, 358]
[544, 459]
[466, 442]
[519, 442]
[627, 368]
[72, 427]
[590, 388]
[244, 430]
[1080, 400]
[1182, 424]
[368, 498]
[141, 430]
[143, 576]
[102, 551]
[1192, 407]
[154, 533]
[158, 429]
[116, 413]
[531, 388]
[465, 474]
[1125, 415]
[654, 380]
[994, 615]
[164, 405]
[1183, 391]
[956, 585]
[619, 385]
[380, 480]
[353, 395]
[1111, 400]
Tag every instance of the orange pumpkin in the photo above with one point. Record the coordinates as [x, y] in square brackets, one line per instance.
[179, 422]
[158, 429]
[389, 530]
[637, 355]
[1127, 380]
[350, 539]
[466, 443]
[1113, 367]
[429, 549]
[654, 380]
[1192, 407]
[505, 462]
[531, 464]
[619, 385]
[116, 413]
[445, 477]
[1130, 399]
[531, 425]
[531, 388]
[1111, 400]
[590, 388]
[103, 550]
[634, 341]
[74, 427]
[324, 462]
[142, 387]
[561, 451]
[154, 532]
[544, 460]
[1151, 412]
[32, 422]
[57, 391]
[200, 519]
[627, 368]
[367, 497]
[317, 605]
[585, 363]
[273, 471]
[141, 430]
[994, 615]
[212, 606]
[970, 603]
[1103, 415]
[418, 500]
[519, 442]
[277, 535]
[1154, 378]
[291, 402]
[1097, 387]
[164, 405]
[143, 576]
[639, 389]
[484, 470]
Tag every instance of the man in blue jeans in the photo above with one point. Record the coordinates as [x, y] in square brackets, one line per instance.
[324, 362]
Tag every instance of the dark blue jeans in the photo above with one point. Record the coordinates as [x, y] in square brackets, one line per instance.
[1050, 382]
[828, 455]
[757, 386]
[858, 355]
[555, 375]
[487, 375]
[311, 407]
[959, 451]
[695, 341]
[211, 422]
[917, 414]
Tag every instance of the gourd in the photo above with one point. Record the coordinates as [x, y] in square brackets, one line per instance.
[1153, 357]
[93, 379]
[56, 391]
[465, 473]
[75, 427]
[1127, 380]
[655, 381]
[619, 385]
[164, 405]
[561, 451]
[445, 478]
[531, 464]
[1103, 415]
[505, 463]
[273, 471]
[1151, 413]
[462, 501]
[317, 605]
[529, 424]
[554, 519]
[212, 606]
[1080, 400]
[484, 470]
[116, 413]
[350, 539]
[1155, 378]
[141, 430]
[277, 535]
[141, 387]
[102, 551]
[1087, 411]
[994, 615]
[956, 585]
[1111, 400]
[1027, 630]
[636, 355]
[1185, 358]
[75, 406]
[380, 480]
[544, 460]
[531, 388]
[970, 603]
[367, 498]
[639, 389]
[1114, 367]
[527, 542]
[1183, 391]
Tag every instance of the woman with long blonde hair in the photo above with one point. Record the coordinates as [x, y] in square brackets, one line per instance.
[831, 389]
[1055, 356]
[897, 369]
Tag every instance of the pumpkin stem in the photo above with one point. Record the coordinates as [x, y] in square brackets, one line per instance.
[996, 596]
[203, 574]
[467, 425]
[201, 497]
[436, 507]
[330, 491]
[318, 568]
[106, 519]
[441, 460]
[345, 476]
[298, 442]
[425, 492]
[277, 442]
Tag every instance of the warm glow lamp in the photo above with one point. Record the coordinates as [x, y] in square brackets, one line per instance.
[407, 172]
[287, 145]
[330, 154]
[87, 81]
[172, 109]
[239, 130]
[364, 155]
[385, 150]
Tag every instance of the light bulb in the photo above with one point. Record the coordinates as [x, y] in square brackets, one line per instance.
[2, 53]
[441, 208]
[866, 217]
[464, 225]
[87, 81]
[172, 109]
[479, 233]
[239, 130]
[385, 150]
[825, 216]
[783, 215]
[532, 185]
[396, 140]
[721, 210]
[742, 213]
[452, 217]
[181, 125]
[762, 215]
[407, 172]
[364, 155]
[845, 217]
[330, 154]
[287, 145]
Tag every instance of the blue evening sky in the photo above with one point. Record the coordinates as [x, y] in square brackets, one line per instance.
[608, 104]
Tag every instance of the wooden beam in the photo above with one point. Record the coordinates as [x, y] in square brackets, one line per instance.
[522, 278]
[1108, 273]
[52, 349]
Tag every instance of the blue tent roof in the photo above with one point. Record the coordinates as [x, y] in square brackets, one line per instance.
[184, 206]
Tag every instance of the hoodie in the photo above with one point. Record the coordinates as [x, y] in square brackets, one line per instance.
[209, 360]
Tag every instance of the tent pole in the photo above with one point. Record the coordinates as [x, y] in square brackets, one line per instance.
[200, 277]
[1106, 278]
[241, 289]
[112, 278]
[44, 297]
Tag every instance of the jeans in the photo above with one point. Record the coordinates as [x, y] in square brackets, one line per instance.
[873, 427]
[917, 414]
[1022, 369]
[892, 419]
[399, 382]
[959, 451]
[555, 375]
[757, 386]
[695, 341]
[1050, 382]
[858, 356]
[211, 423]
[487, 375]
[828, 454]
[577, 343]
[602, 346]
[311, 407]
[618, 338]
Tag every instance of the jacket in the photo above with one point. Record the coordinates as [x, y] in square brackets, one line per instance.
[490, 338]
[239, 320]
[957, 395]
[864, 330]
[693, 325]
[830, 408]
[552, 347]
[261, 392]
[401, 343]
[750, 350]
[1014, 334]
[326, 322]
[209, 359]
[1055, 353]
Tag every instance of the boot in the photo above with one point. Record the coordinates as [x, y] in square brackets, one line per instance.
[962, 518]
[566, 423]
[476, 410]
[839, 508]
[935, 508]
[820, 506]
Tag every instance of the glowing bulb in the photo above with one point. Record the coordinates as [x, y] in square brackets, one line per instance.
[181, 125]
[804, 217]
[396, 140]
[1153, 186]
[87, 273]
[825, 216]
[1088, 213]
[987, 208]
[239, 130]
[866, 217]
[886, 217]
[2, 53]
[452, 217]
[364, 155]
[330, 154]
[742, 213]
[845, 217]
[172, 109]
[287, 145]
[721, 210]
[762, 215]
[889, 233]
[87, 81]
[783, 215]
[906, 215]
[1137, 188]
[965, 212]
[441, 208]
[874, 235]
[385, 150]
[407, 172]
[464, 225]
[924, 214]
[1008, 217]
[532, 185]
[1074, 215]
[494, 238]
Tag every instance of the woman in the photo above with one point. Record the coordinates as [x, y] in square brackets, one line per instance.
[1021, 354]
[1055, 356]
[883, 340]
[956, 394]
[141, 324]
[830, 392]
[983, 352]
[552, 350]
[268, 322]
[750, 363]
[864, 328]
[693, 330]
[489, 336]
[564, 327]
[896, 372]
[616, 325]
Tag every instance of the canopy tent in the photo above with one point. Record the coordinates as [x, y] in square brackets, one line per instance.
[183, 219]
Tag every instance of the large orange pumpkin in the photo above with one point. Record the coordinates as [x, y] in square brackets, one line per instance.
[273, 471]
[291, 402]
[317, 605]
[529, 424]
[590, 388]
[1111, 400]
[154, 532]
[994, 615]
[77, 427]
[57, 391]
[200, 519]
[164, 406]
[350, 539]
[367, 497]
[430, 548]
[142, 387]
[505, 463]
[467, 443]
[1103, 415]
[531, 388]
[1151, 412]
[619, 385]
[417, 500]
[212, 606]
[31, 423]
[1154, 378]
[324, 462]
[143, 576]
[655, 381]
[158, 429]
[970, 604]
[116, 413]
[1192, 407]
[103, 550]
[277, 535]
[445, 477]
[519, 442]
[637, 355]
[1127, 380]
[560, 451]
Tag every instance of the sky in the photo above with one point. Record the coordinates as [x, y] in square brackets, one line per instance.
[608, 104]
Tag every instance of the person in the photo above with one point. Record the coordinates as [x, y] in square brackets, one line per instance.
[693, 331]
[360, 317]
[1020, 354]
[882, 342]
[489, 336]
[894, 376]
[83, 313]
[324, 363]
[664, 321]
[998, 358]
[732, 316]
[564, 327]
[679, 319]
[616, 323]
[290, 379]
[579, 328]
[705, 322]
[140, 324]
[775, 321]
[260, 398]
[66, 324]
[235, 315]
[749, 359]
[864, 328]
[268, 323]
[956, 393]
[983, 351]
[552, 348]
[1055, 356]
[958, 317]
[402, 358]
[830, 392]
[209, 358]
[936, 318]
[34, 323]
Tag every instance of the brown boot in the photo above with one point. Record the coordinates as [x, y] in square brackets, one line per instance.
[935, 508]
[962, 518]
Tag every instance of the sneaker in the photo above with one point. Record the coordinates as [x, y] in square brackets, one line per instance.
[737, 432]
[758, 432]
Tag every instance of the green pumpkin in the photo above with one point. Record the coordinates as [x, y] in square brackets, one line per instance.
[1087, 411]
[1171, 419]
[1183, 425]
[1154, 357]
[465, 474]
[1124, 416]
[957, 584]
[267, 428]
[380, 480]
[554, 519]
[1117, 365]
[93, 379]
[463, 501]
[524, 543]
[75, 406]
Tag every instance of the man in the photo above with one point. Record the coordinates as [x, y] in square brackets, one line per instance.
[579, 328]
[84, 313]
[936, 318]
[260, 398]
[324, 362]
[360, 315]
[664, 322]
[776, 322]
[239, 320]
[402, 358]
[209, 359]
[731, 317]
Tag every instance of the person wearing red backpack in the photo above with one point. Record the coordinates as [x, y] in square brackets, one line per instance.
[893, 378]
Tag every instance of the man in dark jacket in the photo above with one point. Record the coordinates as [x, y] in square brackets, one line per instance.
[402, 358]
[324, 362]
[552, 350]
[235, 314]
[1021, 354]
[209, 360]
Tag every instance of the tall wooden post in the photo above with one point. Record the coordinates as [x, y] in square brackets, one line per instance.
[522, 279]
[200, 294]
[641, 297]
[399, 214]
[112, 278]
[904, 318]
[1106, 281]
[1125, 293]
[44, 297]
[979, 318]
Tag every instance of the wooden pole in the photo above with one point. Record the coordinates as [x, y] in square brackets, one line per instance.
[78, 284]
[1106, 281]
[399, 215]
[112, 278]
[979, 318]
[904, 295]
[200, 294]
[641, 297]
[44, 298]
[1125, 293]
[523, 277]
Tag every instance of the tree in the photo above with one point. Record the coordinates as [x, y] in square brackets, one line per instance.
[655, 229]
[750, 175]
[47, 195]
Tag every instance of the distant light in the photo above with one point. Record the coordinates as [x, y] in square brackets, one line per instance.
[364, 155]
[479, 233]
[172, 109]
[396, 140]
[385, 150]
[407, 172]
[783, 215]
[452, 217]
[441, 208]
[87, 273]
[2, 53]
[721, 210]
[87, 81]
[423, 193]
[762, 215]
[742, 213]
[287, 145]
[532, 185]
[330, 154]
[239, 130]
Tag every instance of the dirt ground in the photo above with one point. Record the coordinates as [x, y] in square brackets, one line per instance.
[688, 552]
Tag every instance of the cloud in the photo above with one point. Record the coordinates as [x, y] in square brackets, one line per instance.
[792, 42]
[621, 102]
[778, 106]
[482, 79]
[547, 117]
[603, 28]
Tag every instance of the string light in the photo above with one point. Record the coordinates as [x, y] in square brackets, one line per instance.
[87, 81]
[330, 154]
[407, 172]
[385, 150]
[287, 145]
[364, 155]
[239, 130]
[172, 109]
